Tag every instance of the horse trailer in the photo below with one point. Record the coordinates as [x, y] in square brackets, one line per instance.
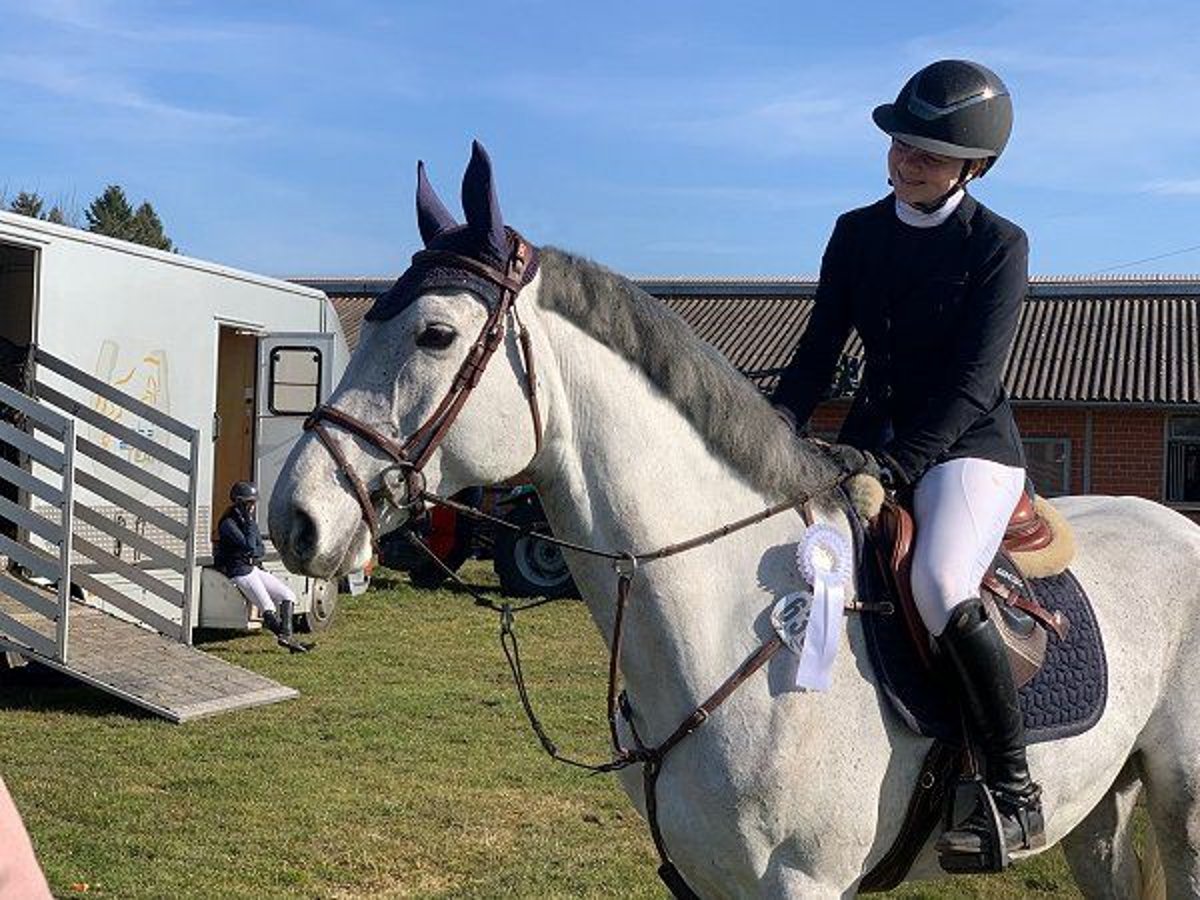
[136, 386]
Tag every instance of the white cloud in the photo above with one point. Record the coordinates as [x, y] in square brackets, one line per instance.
[1168, 187]
[74, 83]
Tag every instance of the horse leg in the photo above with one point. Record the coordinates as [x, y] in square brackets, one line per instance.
[1100, 848]
[1171, 772]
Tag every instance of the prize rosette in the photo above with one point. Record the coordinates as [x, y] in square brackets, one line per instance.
[825, 560]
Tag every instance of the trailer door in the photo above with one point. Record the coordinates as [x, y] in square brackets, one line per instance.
[295, 375]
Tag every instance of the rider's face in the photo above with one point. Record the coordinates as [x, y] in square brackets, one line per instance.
[919, 176]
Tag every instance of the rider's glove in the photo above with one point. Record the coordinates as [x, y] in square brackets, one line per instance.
[884, 468]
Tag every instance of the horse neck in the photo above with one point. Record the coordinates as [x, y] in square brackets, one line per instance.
[623, 469]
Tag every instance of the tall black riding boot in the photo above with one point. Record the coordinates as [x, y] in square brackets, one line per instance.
[272, 622]
[285, 633]
[989, 698]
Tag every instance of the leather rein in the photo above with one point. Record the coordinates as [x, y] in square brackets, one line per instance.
[404, 487]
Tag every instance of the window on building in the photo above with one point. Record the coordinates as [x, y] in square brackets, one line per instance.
[295, 380]
[1183, 459]
[1048, 463]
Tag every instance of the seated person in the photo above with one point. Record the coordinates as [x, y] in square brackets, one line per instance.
[238, 556]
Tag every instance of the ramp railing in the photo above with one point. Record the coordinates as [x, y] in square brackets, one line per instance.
[135, 503]
[28, 616]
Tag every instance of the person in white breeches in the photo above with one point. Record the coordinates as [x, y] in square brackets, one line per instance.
[264, 590]
[932, 281]
[239, 554]
[961, 509]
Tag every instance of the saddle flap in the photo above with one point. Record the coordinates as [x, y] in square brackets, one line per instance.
[892, 533]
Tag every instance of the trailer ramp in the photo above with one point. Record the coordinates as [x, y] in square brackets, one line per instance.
[170, 679]
[78, 479]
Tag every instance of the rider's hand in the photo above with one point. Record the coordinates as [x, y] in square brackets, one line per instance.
[884, 468]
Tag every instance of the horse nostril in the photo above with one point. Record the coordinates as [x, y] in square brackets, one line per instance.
[303, 537]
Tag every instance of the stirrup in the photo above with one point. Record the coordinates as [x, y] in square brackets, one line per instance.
[992, 856]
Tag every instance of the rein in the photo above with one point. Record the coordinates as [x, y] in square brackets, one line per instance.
[404, 487]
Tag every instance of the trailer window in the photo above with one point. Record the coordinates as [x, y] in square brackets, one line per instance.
[295, 380]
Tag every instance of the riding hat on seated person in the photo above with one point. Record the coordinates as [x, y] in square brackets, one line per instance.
[953, 108]
[243, 492]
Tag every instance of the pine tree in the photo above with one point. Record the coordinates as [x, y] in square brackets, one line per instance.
[56, 215]
[110, 214]
[27, 204]
[147, 229]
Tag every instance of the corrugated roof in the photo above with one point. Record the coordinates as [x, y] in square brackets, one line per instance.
[1113, 339]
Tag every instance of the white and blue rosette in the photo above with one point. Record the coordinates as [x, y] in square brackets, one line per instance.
[825, 560]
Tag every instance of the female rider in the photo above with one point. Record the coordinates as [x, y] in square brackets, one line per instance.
[933, 281]
[239, 554]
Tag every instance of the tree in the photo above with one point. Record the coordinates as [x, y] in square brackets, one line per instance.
[147, 228]
[27, 204]
[110, 214]
[56, 215]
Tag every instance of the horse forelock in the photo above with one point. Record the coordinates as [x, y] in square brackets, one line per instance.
[729, 412]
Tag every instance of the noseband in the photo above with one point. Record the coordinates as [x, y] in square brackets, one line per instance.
[404, 483]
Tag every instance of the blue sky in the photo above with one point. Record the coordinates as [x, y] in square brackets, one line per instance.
[658, 138]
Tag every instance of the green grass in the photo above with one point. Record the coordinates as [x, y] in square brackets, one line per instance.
[406, 768]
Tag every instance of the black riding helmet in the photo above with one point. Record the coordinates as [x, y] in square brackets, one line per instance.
[953, 108]
[243, 492]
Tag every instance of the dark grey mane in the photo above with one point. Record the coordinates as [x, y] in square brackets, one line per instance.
[725, 407]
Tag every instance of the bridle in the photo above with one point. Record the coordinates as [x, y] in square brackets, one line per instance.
[403, 484]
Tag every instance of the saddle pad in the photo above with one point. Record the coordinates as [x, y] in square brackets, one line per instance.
[1065, 698]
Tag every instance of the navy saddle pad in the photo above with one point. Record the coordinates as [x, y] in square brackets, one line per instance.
[1065, 698]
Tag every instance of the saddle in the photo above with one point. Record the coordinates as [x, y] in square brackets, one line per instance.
[1024, 624]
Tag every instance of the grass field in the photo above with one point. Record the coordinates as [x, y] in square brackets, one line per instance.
[406, 768]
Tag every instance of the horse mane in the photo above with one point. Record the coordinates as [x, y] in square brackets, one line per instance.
[735, 419]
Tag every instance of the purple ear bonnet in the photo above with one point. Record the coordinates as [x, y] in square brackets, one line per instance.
[484, 238]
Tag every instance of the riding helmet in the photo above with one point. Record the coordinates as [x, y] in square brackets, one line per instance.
[951, 107]
[243, 492]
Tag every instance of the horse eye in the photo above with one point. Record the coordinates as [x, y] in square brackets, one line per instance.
[436, 336]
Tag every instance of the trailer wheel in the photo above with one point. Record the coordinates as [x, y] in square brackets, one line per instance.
[526, 566]
[324, 607]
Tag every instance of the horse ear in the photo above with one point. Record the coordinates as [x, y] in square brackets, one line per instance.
[432, 216]
[479, 201]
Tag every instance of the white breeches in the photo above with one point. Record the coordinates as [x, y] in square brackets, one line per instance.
[263, 589]
[961, 509]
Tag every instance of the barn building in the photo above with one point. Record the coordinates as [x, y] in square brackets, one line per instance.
[1104, 374]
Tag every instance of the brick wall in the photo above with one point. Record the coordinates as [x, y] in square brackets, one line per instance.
[1128, 454]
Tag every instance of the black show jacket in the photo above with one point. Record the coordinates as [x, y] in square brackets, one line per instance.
[239, 544]
[936, 309]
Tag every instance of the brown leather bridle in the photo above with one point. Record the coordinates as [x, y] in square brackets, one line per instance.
[403, 485]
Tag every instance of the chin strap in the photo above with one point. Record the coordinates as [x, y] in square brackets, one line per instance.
[960, 183]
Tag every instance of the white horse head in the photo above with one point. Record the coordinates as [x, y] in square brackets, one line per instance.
[411, 350]
[649, 437]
